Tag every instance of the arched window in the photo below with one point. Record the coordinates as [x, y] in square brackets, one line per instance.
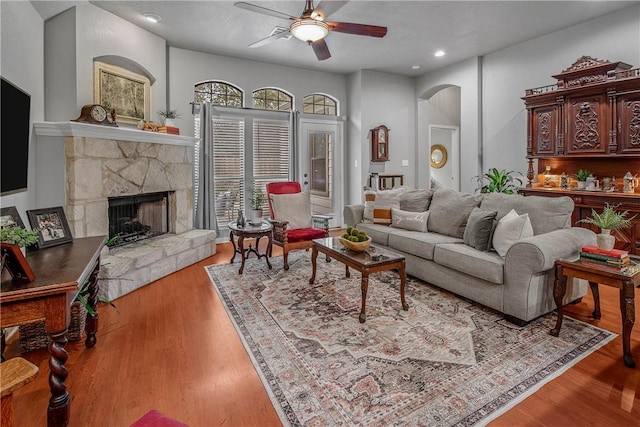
[272, 99]
[219, 93]
[319, 104]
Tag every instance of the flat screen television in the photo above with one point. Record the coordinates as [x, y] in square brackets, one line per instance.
[15, 112]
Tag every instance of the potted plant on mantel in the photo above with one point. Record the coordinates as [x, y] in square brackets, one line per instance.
[607, 221]
[168, 116]
[254, 215]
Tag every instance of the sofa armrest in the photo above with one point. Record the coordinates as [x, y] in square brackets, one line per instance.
[353, 214]
[538, 253]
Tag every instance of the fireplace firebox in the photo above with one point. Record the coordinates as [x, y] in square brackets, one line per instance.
[134, 218]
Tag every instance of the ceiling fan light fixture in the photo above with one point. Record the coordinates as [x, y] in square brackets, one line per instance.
[309, 30]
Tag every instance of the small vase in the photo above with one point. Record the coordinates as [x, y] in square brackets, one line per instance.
[582, 185]
[169, 122]
[605, 240]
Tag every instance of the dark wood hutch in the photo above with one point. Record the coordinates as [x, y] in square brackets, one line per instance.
[589, 119]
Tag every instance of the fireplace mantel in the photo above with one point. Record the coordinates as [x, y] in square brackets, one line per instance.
[108, 132]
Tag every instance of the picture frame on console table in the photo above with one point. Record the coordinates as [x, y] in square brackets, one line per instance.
[126, 92]
[9, 217]
[16, 264]
[51, 223]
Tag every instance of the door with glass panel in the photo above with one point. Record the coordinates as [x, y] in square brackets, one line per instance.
[320, 165]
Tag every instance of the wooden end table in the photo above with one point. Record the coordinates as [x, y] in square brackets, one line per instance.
[366, 262]
[60, 271]
[250, 231]
[625, 281]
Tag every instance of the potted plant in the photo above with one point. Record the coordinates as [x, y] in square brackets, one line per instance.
[582, 176]
[19, 236]
[168, 116]
[608, 220]
[499, 181]
[254, 215]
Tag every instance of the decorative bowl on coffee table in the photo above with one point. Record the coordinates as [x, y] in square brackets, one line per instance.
[356, 246]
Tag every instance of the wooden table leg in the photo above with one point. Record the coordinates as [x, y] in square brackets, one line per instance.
[364, 285]
[628, 311]
[91, 326]
[596, 300]
[267, 254]
[243, 255]
[58, 410]
[235, 250]
[314, 255]
[403, 281]
[559, 289]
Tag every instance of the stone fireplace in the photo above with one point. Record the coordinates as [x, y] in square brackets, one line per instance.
[104, 166]
[139, 217]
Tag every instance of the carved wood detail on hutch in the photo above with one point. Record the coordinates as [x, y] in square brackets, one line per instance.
[589, 119]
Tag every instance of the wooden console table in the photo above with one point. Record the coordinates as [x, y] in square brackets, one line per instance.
[59, 270]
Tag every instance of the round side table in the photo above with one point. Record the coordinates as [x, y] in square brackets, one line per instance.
[254, 232]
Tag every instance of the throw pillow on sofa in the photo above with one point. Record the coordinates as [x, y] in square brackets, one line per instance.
[414, 221]
[480, 227]
[378, 205]
[450, 211]
[510, 229]
[416, 200]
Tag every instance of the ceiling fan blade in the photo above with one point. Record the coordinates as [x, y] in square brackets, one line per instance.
[263, 10]
[358, 29]
[321, 49]
[325, 8]
[282, 35]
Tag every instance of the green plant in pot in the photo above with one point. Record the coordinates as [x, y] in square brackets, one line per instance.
[19, 236]
[168, 116]
[499, 181]
[608, 220]
[581, 176]
[254, 215]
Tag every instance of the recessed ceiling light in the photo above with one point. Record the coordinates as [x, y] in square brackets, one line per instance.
[439, 53]
[415, 67]
[151, 17]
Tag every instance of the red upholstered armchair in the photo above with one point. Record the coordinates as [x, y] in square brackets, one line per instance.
[294, 227]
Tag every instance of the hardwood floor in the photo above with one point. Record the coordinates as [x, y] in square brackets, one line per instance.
[171, 347]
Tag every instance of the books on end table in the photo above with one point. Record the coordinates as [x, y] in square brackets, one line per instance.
[613, 253]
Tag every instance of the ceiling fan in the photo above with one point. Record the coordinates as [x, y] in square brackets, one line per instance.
[311, 27]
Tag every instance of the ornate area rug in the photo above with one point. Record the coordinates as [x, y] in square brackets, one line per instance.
[445, 362]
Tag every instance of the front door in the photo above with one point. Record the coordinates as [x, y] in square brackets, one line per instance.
[320, 165]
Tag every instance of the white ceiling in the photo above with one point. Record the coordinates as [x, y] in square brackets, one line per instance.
[416, 29]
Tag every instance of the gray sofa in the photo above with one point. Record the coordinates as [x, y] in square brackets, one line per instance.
[520, 284]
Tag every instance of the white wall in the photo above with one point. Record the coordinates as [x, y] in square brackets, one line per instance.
[187, 68]
[78, 35]
[22, 63]
[507, 73]
[356, 159]
[465, 75]
[389, 100]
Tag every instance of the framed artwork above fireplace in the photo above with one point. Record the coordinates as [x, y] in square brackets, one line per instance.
[123, 90]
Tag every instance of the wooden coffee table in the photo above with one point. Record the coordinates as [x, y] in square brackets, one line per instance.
[371, 261]
[625, 281]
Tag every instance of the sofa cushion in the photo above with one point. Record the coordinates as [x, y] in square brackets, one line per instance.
[416, 221]
[449, 211]
[418, 244]
[378, 205]
[545, 213]
[294, 207]
[488, 266]
[479, 230]
[416, 200]
[379, 233]
[510, 229]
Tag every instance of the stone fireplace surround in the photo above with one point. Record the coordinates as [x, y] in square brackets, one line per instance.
[102, 162]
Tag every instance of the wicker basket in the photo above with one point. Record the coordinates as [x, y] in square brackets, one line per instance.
[33, 335]
[356, 246]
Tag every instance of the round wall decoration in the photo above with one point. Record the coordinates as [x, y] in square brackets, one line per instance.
[438, 156]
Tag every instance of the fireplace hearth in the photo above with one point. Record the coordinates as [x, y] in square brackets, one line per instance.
[139, 217]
